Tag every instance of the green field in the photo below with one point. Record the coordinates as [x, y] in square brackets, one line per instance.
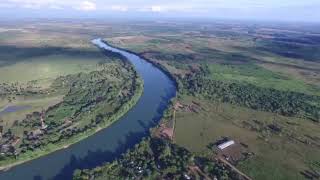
[258, 84]
[47, 68]
[38, 73]
[69, 88]
[246, 79]
[260, 77]
[280, 155]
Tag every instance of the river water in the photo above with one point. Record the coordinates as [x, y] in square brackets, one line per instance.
[111, 142]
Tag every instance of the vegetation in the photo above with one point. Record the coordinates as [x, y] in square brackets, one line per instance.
[258, 76]
[257, 84]
[157, 159]
[286, 103]
[87, 90]
[93, 101]
[274, 141]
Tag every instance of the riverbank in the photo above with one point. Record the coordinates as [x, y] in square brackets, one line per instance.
[50, 148]
[110, 143]
[157, 65]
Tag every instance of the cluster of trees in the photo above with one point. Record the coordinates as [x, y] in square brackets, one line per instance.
[156, 158]
[92, 99]
[292, 47]
[266, 99]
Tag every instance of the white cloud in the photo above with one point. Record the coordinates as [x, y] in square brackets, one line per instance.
[157, 8]
[212, 8]
[86, 6]
[119, 8]
[57, 7]
[32, 6]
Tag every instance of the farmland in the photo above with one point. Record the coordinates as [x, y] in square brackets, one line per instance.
[57, 89]
[282, 153]
[256, 84]
[241, 82]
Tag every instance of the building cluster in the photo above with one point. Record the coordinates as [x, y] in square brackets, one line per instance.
[8, 141]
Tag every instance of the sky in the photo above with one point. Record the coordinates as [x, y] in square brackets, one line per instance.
[281, 10]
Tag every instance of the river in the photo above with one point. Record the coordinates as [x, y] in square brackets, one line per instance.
[110, 143]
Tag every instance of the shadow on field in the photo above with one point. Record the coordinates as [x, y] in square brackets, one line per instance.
[14, 54]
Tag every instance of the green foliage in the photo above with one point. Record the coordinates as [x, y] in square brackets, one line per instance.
[299, 48]
[154, 159]
[93, 101]
[286, 103]
[258, 76]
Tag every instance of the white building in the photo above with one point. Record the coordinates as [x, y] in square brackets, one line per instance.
[226, 144]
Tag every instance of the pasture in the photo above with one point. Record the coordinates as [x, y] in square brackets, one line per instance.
[261, 77]
[47, 68]
[284, 154]
[32, 59]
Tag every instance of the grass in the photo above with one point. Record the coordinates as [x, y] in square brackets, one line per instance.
[48, 67]
[41, 71]
[277, 155]
[35, 104]
[220, 49]
[49, 148]
[40, 57]
[261, 77]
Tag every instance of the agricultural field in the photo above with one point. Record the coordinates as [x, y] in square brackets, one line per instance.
[282, 147]
[57, 88]
[42, 58]
[256, 84]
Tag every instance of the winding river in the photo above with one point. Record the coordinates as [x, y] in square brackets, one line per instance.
[111, 142]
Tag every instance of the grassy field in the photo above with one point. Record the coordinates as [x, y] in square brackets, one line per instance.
[40, 72]
[261, 77]
[33, 104]
[280, 155]
[33, 58]
[194, 46]
[47, 68]
[69, 87]
[283, 59]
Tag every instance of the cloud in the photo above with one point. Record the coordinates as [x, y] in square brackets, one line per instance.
[86, 6]
[157, 9]
[297, 9]
[119, 8]
[56, 7]
[32, 6]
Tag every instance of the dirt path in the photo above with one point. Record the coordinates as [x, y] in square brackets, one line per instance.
[174, 124]
[234, 168]
[197, 170]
